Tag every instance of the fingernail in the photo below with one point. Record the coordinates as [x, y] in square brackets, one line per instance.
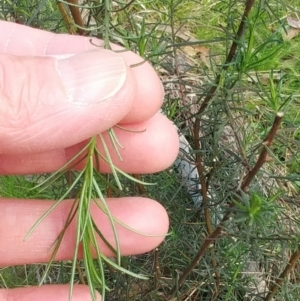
[92, 76]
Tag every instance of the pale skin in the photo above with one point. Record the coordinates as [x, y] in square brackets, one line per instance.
[46, 113]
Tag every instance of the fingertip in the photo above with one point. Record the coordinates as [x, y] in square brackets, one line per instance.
[48, 293]
[150, 92]
[144, 224]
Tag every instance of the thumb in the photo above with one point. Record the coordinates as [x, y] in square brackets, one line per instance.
[56, 102]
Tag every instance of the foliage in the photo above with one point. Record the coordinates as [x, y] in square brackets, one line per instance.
[190, 43]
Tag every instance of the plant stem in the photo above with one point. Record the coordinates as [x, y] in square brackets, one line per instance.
[66, 17]
[229, 58]
[196, 135]
[215, 234]
[279, 281]
[263, 155]
[73, 6]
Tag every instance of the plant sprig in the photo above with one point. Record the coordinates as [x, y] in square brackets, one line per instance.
[87, 232]
[90, 189]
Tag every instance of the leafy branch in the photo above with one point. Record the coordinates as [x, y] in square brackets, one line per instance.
[87, 230]
[279, 281]
[244, 187]
[214, 234]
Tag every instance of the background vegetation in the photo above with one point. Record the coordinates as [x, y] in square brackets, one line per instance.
[231, 71]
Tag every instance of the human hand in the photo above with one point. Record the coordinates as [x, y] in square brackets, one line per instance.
[49, 107]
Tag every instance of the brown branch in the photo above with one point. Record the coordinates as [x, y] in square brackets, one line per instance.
[140, 187]
[76, 14]
[230, 56]
[156, 269]
[289, 267]
[215, 234]
[108, 189]
[80, 274]
[207, 242]
[263, 155]
[66, 17]
[209, 227]
[196, 132]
